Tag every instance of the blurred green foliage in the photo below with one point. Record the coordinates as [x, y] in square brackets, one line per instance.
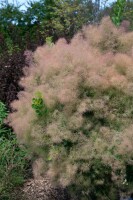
[118, 10]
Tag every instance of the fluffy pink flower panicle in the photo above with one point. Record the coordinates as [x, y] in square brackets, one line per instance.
[87, 91]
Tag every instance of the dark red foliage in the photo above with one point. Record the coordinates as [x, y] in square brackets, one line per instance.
[11, 69]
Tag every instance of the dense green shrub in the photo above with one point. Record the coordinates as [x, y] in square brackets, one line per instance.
[13, 159]
[13, 163]
[3, 113]
[86, 87]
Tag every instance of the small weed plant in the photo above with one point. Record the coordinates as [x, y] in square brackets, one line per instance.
[49, 41]
[39, 106]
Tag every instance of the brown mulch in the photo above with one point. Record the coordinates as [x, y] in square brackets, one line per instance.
[42, 189]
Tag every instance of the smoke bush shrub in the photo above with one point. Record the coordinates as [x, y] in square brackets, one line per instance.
[86, 140]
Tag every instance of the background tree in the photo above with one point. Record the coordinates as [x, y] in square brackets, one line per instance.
[60, 18]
